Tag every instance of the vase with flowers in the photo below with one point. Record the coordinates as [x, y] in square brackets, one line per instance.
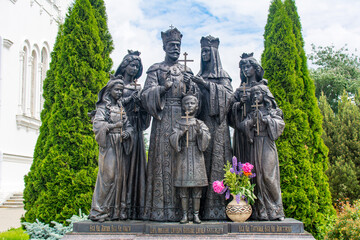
[237, 183]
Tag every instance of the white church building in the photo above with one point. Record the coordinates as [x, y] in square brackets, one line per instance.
[28, 29]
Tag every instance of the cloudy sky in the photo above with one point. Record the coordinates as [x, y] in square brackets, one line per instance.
[239, 24]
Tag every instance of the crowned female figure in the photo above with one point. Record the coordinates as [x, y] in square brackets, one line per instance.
[251, 74]
[215, 85]
[130, 70]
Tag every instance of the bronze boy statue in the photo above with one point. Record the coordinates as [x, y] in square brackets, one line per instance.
[190, 139]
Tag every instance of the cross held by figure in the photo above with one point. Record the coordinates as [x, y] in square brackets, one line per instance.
[185, 61]
[122, 112]
[244, 88]
[187, 117]
[256, 106]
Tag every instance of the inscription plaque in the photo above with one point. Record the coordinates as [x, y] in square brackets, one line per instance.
[264, 229]
[289, 226]
[286, 226]
[187, 229]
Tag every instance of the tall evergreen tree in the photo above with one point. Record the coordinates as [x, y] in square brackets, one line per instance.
[347, 142]
[105, 36]
[33, 181]
[64, 170]
[302, 153]
[342, 137]
[317, 148]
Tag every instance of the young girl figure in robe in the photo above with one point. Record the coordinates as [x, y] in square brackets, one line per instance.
[262, 126]
[113, 133]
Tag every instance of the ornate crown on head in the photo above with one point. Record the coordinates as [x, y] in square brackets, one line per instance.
[247, 55]
[172, 34]
[136, 53]
[209, 41]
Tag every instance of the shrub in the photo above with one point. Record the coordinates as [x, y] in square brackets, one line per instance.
[39, 230]
[347, 225]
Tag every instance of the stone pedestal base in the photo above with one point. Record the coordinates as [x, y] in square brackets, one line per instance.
[288, 229]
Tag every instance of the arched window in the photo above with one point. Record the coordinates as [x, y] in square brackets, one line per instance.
[33, 84]
[23, 66]
[44, 68]
[31, 58]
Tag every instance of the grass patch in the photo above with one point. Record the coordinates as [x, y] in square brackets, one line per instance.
[14, 234]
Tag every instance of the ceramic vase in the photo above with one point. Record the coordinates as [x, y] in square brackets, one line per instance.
[238, 212]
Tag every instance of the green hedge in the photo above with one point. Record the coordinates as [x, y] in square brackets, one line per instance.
[302, 152]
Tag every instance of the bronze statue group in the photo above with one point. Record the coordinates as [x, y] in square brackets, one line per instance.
[189, 141]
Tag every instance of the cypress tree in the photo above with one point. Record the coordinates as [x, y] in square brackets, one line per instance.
[105, 36]
[64, 170]
[316, 146]
[302, 153]
[33, 181]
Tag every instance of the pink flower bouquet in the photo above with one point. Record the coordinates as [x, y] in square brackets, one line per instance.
[237, 181]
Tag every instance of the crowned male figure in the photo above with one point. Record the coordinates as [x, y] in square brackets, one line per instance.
[163, 90]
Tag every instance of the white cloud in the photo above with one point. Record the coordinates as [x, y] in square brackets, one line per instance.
[239, 24]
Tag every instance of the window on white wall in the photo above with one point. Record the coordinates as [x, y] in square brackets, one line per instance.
[33, 84]
[44, 68]
[29, 95]
[23, 63]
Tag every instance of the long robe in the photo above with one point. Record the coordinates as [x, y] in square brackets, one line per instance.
[215, 100]
[214, 115]
[190, 168]
[264, 157]
[109, 198]
[140, 121]
[237, 113]
[162, 202]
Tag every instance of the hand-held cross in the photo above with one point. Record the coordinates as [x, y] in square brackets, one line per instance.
[185, 61]
[187, 124]
[121, 117]
[243, 87]
[256, 106]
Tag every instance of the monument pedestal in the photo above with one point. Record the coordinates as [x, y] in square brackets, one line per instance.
[288, 229]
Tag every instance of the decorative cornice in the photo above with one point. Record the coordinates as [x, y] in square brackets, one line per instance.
[28, 122]
[7, 43]
[7, 157]
[49, 7]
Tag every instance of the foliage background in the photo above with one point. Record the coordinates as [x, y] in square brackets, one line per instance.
[63, 173]
[302, 152]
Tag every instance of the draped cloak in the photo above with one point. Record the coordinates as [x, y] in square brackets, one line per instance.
[162, 201]
[109, 198]
[262, 153]
[190, 164]
[140, 121]
[213, 113]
